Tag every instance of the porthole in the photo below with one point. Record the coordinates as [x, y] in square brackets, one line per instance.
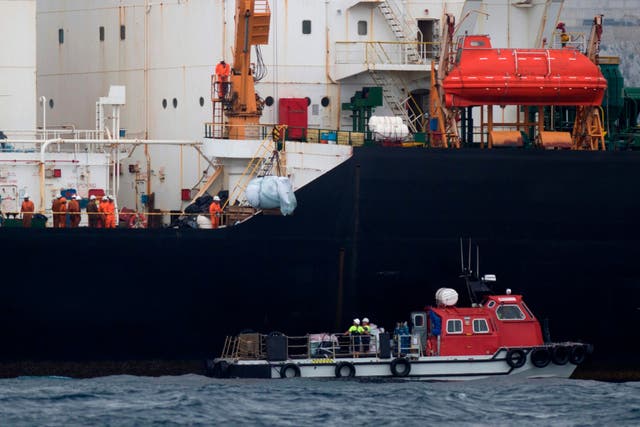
[201, 101]
[164, 103]
[269, 101]
[308, 101]
[175, 103]
[51, 103]
[324, 101]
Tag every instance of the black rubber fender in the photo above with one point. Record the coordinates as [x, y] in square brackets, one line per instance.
[540, 357]
[405, 368]
[560, 355]
[578, 354]
[516, 358]
[287, 368]
[351, 370]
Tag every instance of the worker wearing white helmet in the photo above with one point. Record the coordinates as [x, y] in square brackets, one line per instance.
[55, 210]
[366, 335]
[27, 210]
[93, 216]
[355, 331]
[215, 212]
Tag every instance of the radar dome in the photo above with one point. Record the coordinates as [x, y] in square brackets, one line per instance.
[446, 297]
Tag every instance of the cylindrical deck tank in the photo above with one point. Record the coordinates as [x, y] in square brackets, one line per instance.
[486, 76]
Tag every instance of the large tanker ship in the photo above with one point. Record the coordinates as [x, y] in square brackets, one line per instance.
[378, 230]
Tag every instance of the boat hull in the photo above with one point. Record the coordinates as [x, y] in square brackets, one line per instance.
[371, 237]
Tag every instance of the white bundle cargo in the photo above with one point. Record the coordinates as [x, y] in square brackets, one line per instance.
[271, 192]
[203, 222]
[388, 128]
[446, 296]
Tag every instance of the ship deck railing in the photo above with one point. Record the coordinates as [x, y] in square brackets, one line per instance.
[252, 346]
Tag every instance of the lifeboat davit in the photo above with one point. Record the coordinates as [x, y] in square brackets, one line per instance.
[483, 75]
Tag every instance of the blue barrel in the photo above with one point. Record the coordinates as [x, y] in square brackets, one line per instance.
[433, 124]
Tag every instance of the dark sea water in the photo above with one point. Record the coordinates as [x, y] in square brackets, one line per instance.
[196, 400]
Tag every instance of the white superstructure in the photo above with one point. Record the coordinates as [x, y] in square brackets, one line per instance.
[164, 54]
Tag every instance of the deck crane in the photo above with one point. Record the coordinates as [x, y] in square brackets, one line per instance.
[588, 132]
[447, 130]
[241, 104]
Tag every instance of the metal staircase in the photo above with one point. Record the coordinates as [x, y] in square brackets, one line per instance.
[390, 89]
[261, 164]
[406, 30]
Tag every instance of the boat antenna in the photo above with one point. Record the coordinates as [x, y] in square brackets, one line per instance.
[469, 258]
[478, 260]
[461, 257]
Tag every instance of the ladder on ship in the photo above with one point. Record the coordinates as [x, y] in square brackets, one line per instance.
[397, 106]
[391, 12]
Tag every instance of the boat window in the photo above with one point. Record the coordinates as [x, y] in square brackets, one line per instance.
[175, 103]
[101, 33]
[324, 101]
[454, 326]
[51, 103]
[201, 101]
[418, 320]
[306, 27]
[477, 43]
[509, 312]
[491, 304]
[60, 35]
[123, 32]
[528, 311]
[480, 326]
[362, 28]
[164, 103]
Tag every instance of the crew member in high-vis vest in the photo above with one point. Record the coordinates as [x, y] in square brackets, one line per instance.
[366, 335]
[223, 70]
[355, 331]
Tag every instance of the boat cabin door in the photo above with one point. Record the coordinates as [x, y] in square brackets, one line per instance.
[419, 322]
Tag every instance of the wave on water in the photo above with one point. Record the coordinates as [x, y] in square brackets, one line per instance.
[197, 400]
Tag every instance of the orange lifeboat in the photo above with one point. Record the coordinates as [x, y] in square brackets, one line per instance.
[483, 75]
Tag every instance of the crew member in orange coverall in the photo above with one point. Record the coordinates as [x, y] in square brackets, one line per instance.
[27, 210]
[109, 213]
[215, 211]
[101, 210]
[55, 208]
[222, 76]
[74, 212]
[62, 213]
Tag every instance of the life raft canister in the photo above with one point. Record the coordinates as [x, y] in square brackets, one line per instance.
[560, 355]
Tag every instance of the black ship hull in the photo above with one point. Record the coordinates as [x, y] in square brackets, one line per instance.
[375, 237]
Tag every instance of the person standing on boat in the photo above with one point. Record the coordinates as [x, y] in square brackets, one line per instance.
[93, 214]
[366, 335]
[222, 76]
[355, 331]
[74, 211]
[102, 208]
[215, 211]
[27, 210]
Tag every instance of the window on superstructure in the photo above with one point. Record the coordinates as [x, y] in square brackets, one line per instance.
[362, 28]
[101, 33]
[509, 312]
[480, 326]
[454, 326]
[306, 27]
[123, 32]
[175, 103]
[201, 101]
[60, 35]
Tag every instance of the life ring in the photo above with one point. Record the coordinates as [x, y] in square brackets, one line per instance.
[137, 221]
[578, 354]
[560, 355]
[290, 371]
[516, 358]
[540, 357]
[405, 367]
[350, 370]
